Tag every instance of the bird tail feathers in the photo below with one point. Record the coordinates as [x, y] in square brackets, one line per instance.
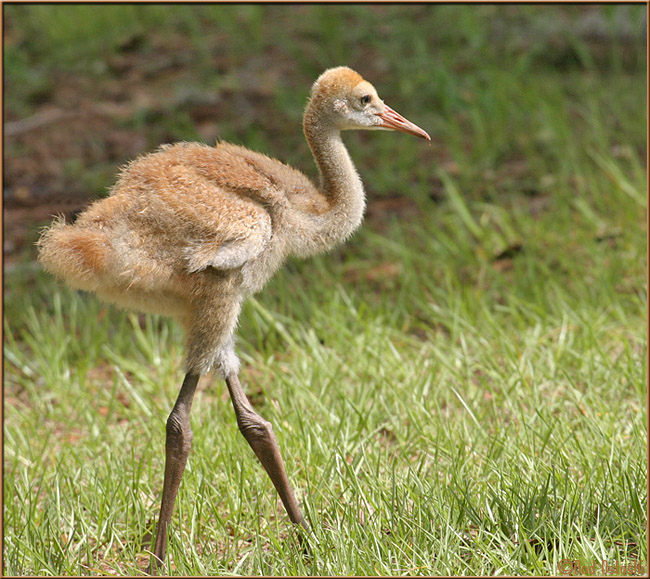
[75, 255]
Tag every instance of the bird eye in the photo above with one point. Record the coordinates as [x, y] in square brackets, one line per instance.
[365, 99]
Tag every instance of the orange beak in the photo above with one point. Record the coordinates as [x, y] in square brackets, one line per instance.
[393, 120]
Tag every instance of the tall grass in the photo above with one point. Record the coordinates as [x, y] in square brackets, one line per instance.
[461, 389]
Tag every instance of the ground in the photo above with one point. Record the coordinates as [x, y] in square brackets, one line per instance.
[461, 389]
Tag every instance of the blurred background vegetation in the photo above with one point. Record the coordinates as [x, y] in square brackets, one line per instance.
[88, 87]
[461, 388]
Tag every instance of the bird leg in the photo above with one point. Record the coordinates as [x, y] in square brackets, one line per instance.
[259, 434]
[178, 444]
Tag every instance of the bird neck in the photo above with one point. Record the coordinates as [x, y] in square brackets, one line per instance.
[340, 182]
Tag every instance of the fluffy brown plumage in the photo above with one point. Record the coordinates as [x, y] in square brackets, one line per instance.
[187, 231]
[190, 230]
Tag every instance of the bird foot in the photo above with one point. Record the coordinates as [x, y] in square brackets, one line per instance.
[156, 566]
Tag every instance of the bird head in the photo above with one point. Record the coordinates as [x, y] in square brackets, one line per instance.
[347, 101]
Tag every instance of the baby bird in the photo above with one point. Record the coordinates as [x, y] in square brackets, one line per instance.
[190, 231]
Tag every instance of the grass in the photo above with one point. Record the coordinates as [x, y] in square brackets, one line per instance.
[461, 389]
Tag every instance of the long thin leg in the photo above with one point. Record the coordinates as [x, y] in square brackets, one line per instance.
[259, 434]
[178, 444]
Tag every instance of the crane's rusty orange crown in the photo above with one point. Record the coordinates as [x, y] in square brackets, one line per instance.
[336, 79]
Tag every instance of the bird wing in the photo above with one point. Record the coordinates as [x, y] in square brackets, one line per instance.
[229, 207]
[233, 244]
[212, 204]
